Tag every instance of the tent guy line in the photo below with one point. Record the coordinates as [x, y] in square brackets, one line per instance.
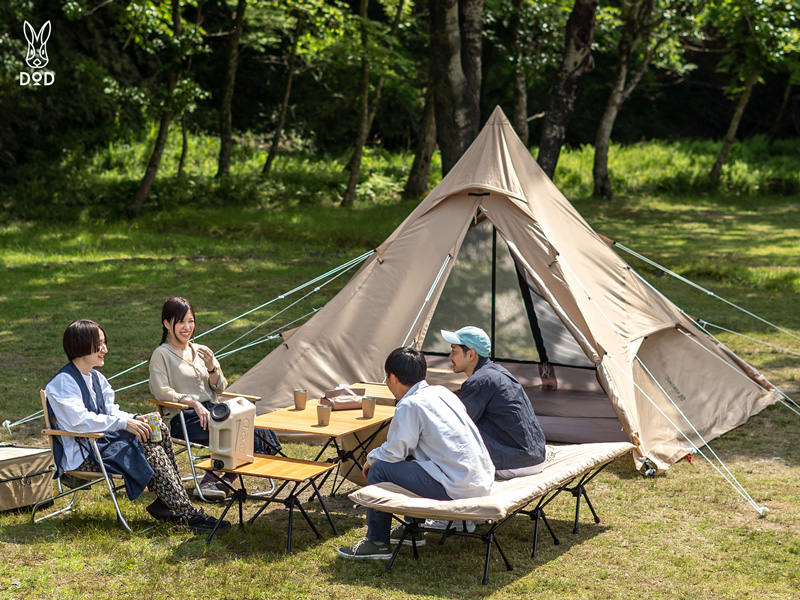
[340, 269]
[702, 323]
[761, 510]
[702, 289]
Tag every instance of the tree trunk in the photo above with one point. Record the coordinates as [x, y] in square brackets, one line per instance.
[455, 44]
[136, 203]
[776, 125]
[363, 111]
[519, 81]
[419, 176]
[225, 117]
[184, 144]
[602, 183]
[376, 96]
[730, 137]
[276, 139]
[577, 62]
[638, 28]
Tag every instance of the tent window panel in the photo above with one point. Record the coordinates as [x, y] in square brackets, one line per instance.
[561, 346]
[467, 298]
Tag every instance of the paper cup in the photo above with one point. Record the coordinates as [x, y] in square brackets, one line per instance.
[155, 426]
[300, 398]
[368, 407]
[323, 415]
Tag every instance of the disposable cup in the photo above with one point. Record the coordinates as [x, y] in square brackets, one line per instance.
[323, 415]
[300, 398]
[368, 407]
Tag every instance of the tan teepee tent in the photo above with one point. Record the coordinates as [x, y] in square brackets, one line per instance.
[604, 355]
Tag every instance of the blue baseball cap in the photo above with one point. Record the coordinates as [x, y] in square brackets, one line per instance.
[471, 337]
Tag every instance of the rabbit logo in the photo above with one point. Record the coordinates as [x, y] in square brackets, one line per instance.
[36, 58]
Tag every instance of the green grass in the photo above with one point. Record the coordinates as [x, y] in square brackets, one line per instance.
[232, 245]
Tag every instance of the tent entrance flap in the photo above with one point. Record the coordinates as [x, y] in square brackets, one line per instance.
[488, 289]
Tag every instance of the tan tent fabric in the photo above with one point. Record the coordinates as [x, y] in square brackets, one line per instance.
[619, 321]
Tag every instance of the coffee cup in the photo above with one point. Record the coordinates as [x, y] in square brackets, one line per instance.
[368, 407]
[323, 415]
[300, 398]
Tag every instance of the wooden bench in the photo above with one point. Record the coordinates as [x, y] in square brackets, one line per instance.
[567, 468]
[294, 472]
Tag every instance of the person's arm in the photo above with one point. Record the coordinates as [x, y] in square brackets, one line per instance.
[161, 386]
[216, 379]
[475, 396]
[402, 437]
[66, 402]
[134, 424]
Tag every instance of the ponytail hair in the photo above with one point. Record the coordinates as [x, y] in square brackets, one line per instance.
[174, 310]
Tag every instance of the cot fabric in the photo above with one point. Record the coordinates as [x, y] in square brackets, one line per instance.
[563, 464]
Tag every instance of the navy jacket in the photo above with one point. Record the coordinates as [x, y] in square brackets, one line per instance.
[503, 413]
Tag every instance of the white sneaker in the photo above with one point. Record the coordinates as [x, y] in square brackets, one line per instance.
[457, 525]
[210, 492]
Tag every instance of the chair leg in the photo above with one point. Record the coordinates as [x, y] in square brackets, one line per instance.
[75, 492]
[110, 485]
[191, 457]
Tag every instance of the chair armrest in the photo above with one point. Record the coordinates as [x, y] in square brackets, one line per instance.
[167, 404]
[235, 395]
[96, 436]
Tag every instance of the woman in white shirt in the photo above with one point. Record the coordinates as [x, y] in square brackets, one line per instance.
[188, 373]
[81, 400]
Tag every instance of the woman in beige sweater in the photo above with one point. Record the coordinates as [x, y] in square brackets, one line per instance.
[188, 373]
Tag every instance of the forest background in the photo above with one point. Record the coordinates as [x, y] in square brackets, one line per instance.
[333, 78]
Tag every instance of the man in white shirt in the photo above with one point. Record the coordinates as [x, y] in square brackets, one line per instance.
[432, 449]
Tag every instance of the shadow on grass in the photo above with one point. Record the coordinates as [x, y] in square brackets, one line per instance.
[266, 537]
[455, 568]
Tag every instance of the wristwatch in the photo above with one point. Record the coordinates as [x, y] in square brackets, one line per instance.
[212, 371]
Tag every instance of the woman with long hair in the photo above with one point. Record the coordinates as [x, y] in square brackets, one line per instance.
[189, 373]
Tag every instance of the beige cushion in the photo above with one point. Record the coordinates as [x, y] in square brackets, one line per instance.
[563, 464]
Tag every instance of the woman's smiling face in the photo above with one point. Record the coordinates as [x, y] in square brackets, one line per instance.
[181, 331]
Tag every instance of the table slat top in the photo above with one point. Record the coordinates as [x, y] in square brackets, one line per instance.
[343, 422]
[277, 467]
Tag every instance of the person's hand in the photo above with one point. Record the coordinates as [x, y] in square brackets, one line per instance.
[202, 414]
[365, 470]
[138, 428]
[207, 355]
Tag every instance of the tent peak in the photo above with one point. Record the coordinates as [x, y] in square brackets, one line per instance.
[498, 117]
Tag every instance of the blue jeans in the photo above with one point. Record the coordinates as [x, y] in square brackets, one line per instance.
[409, 475]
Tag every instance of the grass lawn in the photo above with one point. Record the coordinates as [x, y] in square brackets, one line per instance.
[684, 535]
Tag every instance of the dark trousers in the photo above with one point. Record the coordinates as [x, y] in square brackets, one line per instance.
[407, 474]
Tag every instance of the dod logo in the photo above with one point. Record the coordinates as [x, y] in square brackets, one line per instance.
[36, 58]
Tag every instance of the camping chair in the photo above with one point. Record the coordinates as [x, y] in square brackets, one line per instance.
[192, 448]
[69, 483]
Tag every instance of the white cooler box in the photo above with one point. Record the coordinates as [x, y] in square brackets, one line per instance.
[26, 476]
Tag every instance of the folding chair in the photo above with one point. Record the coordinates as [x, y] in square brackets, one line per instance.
[89, 478]
[192, 448]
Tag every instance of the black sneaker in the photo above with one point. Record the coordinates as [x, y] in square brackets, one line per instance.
[202, 523]
[161, 512]
[397, 533]
[367, 549]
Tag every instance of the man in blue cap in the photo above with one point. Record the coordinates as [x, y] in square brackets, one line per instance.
[497, 404]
